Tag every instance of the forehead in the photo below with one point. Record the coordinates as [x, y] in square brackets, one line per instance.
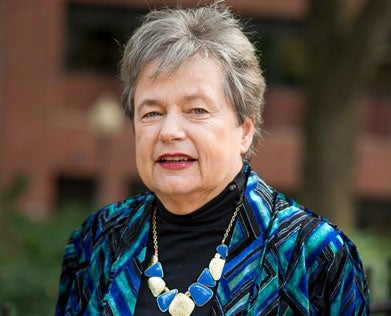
[166, 68]
[195, 73]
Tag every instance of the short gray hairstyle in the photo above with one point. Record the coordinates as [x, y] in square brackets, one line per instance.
[172, 36]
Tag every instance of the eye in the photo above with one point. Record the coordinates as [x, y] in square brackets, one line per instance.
[151, 114]
[199, 111]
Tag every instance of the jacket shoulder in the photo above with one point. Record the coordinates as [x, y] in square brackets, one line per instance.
[308, 247]
[291, 223]
[111, 220]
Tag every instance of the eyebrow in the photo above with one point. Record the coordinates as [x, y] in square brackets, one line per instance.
[190, 97]
[148, 102]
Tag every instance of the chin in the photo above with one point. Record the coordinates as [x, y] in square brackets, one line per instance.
[175, 188]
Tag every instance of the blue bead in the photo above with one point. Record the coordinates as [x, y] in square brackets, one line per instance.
[206, 278]
[223, 251]
[164, 300]
[155, 270]
[200, 294]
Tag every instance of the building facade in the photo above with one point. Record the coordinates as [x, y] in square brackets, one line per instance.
[57, 66]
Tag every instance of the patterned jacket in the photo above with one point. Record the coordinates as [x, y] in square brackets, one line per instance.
[283, 260]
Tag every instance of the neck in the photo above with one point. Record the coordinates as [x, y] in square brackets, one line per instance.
[183, 204]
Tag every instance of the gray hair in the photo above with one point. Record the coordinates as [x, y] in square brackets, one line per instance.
[172, 36]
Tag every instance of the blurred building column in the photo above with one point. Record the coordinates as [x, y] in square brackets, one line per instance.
[106, 119]
[2, 217]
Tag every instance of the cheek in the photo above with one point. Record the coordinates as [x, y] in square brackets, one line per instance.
[138, 147]
[139, 158]
[216, 138]
[141, 149]
[145, 143]
[143, 139]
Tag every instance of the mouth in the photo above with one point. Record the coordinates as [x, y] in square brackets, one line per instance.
[175, 162]
[175, 158]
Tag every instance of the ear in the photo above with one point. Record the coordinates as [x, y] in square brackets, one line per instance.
[247, 135]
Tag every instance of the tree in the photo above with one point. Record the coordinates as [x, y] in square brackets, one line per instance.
[342, 53]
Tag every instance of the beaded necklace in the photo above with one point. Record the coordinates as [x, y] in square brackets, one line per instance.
[199, 293]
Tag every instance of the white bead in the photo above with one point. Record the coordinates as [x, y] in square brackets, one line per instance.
[156, 285]
[154, 259]
[182, 305]
[216, 266]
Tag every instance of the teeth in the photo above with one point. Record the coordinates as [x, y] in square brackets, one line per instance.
[175, 159]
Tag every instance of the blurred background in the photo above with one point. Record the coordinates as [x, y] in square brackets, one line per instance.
[66, 149]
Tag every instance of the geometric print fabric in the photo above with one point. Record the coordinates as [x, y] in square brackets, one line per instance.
[283, 260]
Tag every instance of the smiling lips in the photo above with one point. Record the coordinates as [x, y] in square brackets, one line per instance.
[175, 161]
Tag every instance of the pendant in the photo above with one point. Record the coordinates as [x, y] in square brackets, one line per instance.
[198, 294]
[206, 278]
[164, 300]
[156, 285]
[216, 266]
[182, 305]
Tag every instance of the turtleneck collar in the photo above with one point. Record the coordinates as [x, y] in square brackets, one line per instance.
[214, 211]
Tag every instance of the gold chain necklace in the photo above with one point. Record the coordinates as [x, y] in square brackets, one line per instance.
[198, 293]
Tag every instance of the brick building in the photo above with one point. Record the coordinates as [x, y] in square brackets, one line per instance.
[52, 78]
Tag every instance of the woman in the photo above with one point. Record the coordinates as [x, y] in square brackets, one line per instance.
[209, 237]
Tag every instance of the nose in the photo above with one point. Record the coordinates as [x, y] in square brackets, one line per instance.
[172, 128]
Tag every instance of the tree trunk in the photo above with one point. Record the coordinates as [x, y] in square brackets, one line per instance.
[341, 56]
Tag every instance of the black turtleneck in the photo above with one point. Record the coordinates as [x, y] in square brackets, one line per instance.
[187, 243]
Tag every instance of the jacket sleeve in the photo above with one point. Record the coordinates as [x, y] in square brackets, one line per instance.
[325, 275]
[343, 279]
[70, 296]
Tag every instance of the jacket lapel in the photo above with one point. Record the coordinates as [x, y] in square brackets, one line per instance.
[126, 272]
[241, 271]
[246, 250]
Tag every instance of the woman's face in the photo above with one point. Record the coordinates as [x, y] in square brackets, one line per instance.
[188, 141]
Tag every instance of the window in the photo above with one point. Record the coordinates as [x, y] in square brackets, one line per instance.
[374, 214]
[281, 47]
[75, 192]
[96, 35]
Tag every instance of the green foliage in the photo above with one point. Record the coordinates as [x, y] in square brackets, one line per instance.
[14, 191]
[30, 257]
[375, 252]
